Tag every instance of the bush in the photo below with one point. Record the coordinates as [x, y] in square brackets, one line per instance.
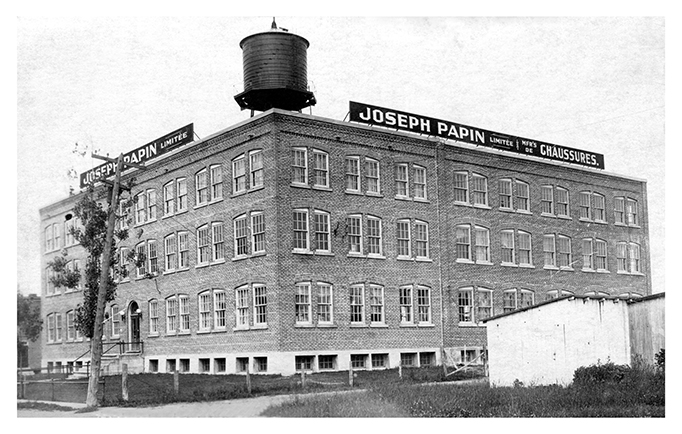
[599, 374]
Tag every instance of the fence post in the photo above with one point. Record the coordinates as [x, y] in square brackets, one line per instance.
[22, 389]
[52, 383]
[124, 381]
[443, 359]
[248, 380]
[400, 369]
[176, 381]
[485, 360]
[303, 379]
[350, 375]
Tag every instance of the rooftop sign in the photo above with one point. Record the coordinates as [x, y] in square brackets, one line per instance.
[160, 146]
[373, 115]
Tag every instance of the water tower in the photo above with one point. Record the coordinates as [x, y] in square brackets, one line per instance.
[275, 71]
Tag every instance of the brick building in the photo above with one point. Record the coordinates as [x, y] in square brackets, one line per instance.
[290, 241]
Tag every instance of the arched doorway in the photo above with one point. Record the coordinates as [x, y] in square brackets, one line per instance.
[134, 317]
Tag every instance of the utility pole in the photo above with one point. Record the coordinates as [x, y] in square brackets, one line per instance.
[96, 341]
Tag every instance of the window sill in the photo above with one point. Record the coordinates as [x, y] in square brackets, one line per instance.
[302, 252]
[583, 219]
[353, 192]
[404, 258]
[259, 327]
[204, 265]
[564, 217]
[426, 325]
[184, 333]
[355, 255]
[298, 185]
[327, 325]
[166, 272]
[322, 253]
[358, 326]
[566, 268]
[375, 256]
[421, 200]
[587, 270]
[526, 266]
[238, 194]
[524, 212]
[179, 270]
[378, 325]
[484, 263]
[545, 214]
[400, 197]
[239, 258]
[603, 271]
[550, 267]
[464, 261]
[220, 199]
[636, 273]
[635, 226]
[201, 205]
[304, 325]
[469, 324]
[508, 264]
[408, 325]
[321, 188]
[374, 194]
[241, 329]
[462, 203]
[623, 272]
[506, 209]
[203, 332]
[601, 222]
[620, 224]
[423, 259]
[481, 206]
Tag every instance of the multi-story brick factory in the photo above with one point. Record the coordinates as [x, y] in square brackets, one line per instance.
[292, 242]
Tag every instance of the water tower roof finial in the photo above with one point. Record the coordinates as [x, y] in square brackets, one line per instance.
[274, 24]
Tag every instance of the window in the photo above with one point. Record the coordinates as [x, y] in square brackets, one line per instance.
[482, 244]
[322, 240]
[240, 236]
[507, 243]
[376, 304]
[374, 244]
[372, 176]
[183, 250]
[353, 174]
[403, 238]
[258, 232]
[260, 364]
[325, 307]
[242, 306]
[619, 210]
[354, 230]
[170, 247]
[474, 304]
[379, 361]
[326, 362]
[168, 198]
[301, 229]
[632, 211]
[152, 256]
[562, 202]
[115, 321]
[516, 299]
[303, 305]
[505, 186]
[58, 326]
[406, 302]
[461, 187]
[69, 225]
[239, 175]
[479, 189]
[600, 259]
[408, 359]
[598, 202]
[70, 326]
[140, 208]
[218, 241]
[50, 328]
[49, 239]
[140, 258]
[123, 213]
[547, 200]
[588, 262]
[357, 304]
[401, 180]
[556, 293]
[203, 245]
[256, 166]
[49, 286]
[427, 359]
[549, 249]
[205, 365]
[421, 239]
[419, 182]
[184, 313]
[216, 182]
[358, 361]
[170, 365]
[151, 205]
[522, 197]
[219, 364]
[201, 181]
[634, 258]
[300, 166]
[321, 169]
[463, 242]
[423, 305]
[219, 309]
[260, 305]
[564, 251]
[153, 317]
[205, 319]
[171, 315]
[181, 185]
[304, 363]
[622, 257]
[55, 232]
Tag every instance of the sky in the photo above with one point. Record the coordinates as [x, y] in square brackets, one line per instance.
[112, 84]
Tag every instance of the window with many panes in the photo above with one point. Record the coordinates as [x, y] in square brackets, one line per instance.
[376, 304]
[203, 245]
[563, 244]
[256, 168]
[482, 244]
[219, 309]
[547, 199]
[258, 232]
[403, 239]
[152, 257]
[325, 306]
[354, 233]
[326, 362]
[322, 234]
[372, 176]
[171, 315]
[183, 250]
[299, 166]
[562, 205]
[260, 305]
[300, 221]
[421, 239]
[401, 180]
[461, 183]
[241, 298]
[423, 305]
[240, 236]
[50, 328]
[239, 174]
[183, 303]
[303, 312]
[168, 192]
[320, 169]
[406, 305]
[632, 212]
[505, 191]
[140, 208]
[70, 326]
[181, 188]
[474, 304]
[205, 314]
[599, 207]
[522, 196]
[374, 241]
[357, 304]
[153, 317]
[140, 258]
[549, 250]
[463, 242]
[507, 246]
[619, 210]
[201, 184]
[216, 175]
[171, 256]
[479, 189]
[633, 251]
[420, 182]
[352, 175]
[592, 206]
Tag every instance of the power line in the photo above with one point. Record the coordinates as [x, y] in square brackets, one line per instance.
[603, 120]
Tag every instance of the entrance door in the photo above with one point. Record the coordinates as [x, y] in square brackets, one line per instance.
[134, 327]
